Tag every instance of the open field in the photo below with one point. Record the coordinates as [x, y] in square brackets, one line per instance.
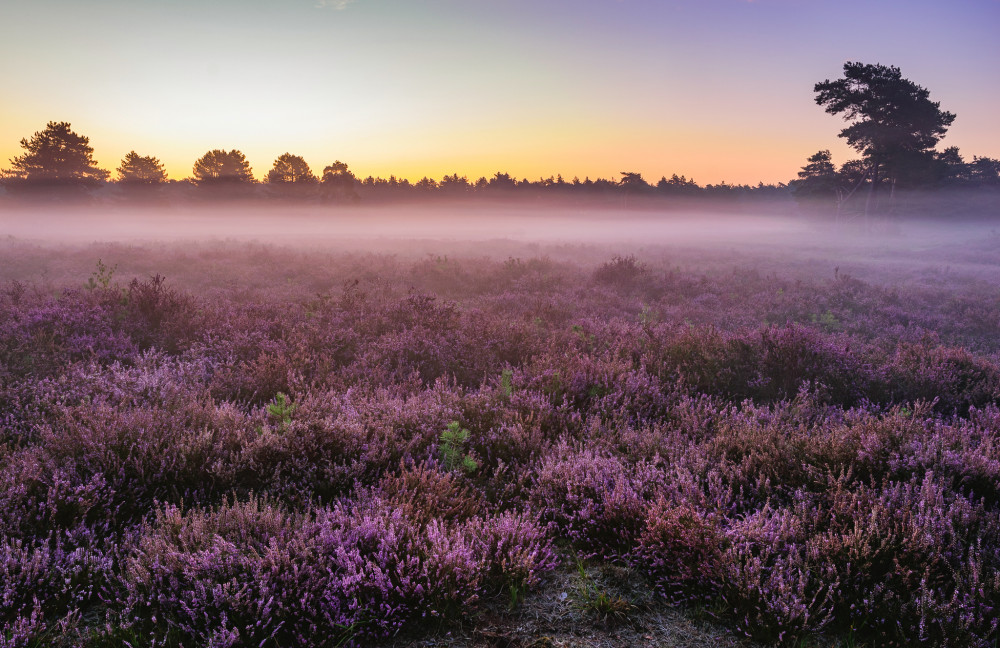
[512, 429]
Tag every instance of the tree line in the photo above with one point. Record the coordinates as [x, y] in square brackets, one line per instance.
[60, 161]
[892, 124]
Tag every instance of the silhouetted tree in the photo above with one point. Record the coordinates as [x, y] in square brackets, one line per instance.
[137, 170]
[633, 184]
[55, 159]
[853, 172]
[291, 177]
[985, 171]
[291, 169]
[677, 185]
[220, 167]
[818, 179]
[222, 174]
[503, 182]
[894, 124]
[951, 168]
[426, 185]
[820, 165]
[338, 183]
[605, 186]
[632, 180]
[455, 184]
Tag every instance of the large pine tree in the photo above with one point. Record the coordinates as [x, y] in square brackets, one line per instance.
[55, 158]
[893, 122]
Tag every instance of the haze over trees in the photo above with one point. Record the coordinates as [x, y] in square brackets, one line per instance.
[138, 170]
[291, 169]
[291, 178]
[819, 180]
[338, 183]
[220, 167]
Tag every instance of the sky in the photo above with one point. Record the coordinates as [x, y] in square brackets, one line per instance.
[716, 90]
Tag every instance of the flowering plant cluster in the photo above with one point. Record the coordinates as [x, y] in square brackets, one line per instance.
[382, 446]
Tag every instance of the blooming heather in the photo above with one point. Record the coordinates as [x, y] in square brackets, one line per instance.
[245, 458]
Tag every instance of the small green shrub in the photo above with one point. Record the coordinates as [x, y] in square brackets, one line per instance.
[101, 277]
[453, 444]
[506, 385]
[281, 409]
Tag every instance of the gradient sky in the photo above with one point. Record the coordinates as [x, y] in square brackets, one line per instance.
[718, 90]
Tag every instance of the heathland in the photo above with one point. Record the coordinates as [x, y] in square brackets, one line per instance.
[792, 435]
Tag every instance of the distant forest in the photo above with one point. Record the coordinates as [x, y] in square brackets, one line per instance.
[892, 124]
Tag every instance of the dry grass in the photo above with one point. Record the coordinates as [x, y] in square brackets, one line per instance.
[603, 607]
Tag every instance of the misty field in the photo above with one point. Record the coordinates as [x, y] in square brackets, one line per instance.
[251, 444]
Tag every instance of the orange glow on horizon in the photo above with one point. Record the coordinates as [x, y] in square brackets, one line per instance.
[570, 149]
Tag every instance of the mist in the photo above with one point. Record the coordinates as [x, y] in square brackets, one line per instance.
[448, 222]
[699, 234]
[701, 223]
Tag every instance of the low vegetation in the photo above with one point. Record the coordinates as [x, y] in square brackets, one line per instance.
[277, 448]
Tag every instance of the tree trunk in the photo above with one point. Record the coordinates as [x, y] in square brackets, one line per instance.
[871, 194]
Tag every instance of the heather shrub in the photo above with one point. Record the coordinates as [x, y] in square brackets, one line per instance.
[517, 552]
[516, 442]
[250, 349]
[151, 379]
[42, 338]
[636, 398]
[963, 615]
[423, 493]
[498, 340]
[954, 377]
[775, 592]
[785, 358]
[156, 315]
[595, 500]
[391, 571]
[254, 574]
[104, 465]
[443, 275]
[423, 310]
[694, 357]
[969, 455]
[256, 382]
[573, 379]
[621, 271]
[303, 459]
[513, 429]
[767, 364]
[425, 353]
[334, 441]
[918, 537]
[38, 497]
[205, 576]
[682, 551]
[778, 596]
[891, 564]
[762, 461]
[47, 583]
